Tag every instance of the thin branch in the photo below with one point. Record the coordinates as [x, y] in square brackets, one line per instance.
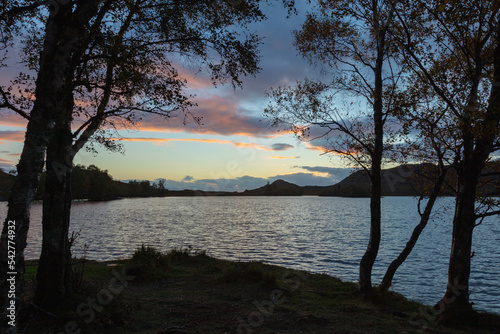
[408, 47]
[6, 104]
[487, 214]
[20, 10]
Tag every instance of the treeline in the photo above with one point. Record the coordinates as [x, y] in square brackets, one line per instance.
[95, 184]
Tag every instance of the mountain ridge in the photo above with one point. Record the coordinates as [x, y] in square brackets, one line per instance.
[403, 180]
[395, 182]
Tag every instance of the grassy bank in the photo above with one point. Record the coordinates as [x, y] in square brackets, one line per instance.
[190, 292]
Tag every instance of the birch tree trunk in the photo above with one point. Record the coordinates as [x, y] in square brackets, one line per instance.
[455, 304]
[62, 32]
[50, 82]
[54, 275]
[424, 219]
[368, 259]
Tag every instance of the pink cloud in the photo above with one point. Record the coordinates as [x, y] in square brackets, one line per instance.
[13, 120]
[4, 163]
[312, 147]
[220, 115]
[195, 81]
[17, 136]
[212, 141]
[278, 157]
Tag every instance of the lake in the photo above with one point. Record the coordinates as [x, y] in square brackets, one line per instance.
[318, 234]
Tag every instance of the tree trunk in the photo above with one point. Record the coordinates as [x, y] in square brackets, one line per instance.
[55, 273]
[62, 32]
[49, 82]
[424, 219]
[29, 168]
[54, 276]
[368, 259]
[455, 305]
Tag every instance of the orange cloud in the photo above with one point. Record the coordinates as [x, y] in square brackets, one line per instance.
[4, 163]
[222, 115]
[325, 150]
[314, 147]
[278, 157]
[13, 120]
[17, 136]
[213, 141]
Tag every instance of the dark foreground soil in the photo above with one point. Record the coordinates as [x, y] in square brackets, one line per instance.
[187, 292]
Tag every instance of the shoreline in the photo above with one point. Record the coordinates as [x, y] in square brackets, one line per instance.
[190, 292]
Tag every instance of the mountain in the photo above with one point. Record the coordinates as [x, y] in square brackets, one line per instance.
[91, 183]
[404, 180]
[277, 188]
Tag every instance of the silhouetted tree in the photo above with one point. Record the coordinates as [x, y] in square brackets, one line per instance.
[453, 48]
[64, 26]
[105, 61]
[428, 145]
[160, 184]
[350, 41]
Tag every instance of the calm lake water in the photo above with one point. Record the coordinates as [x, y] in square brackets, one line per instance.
[318, 234]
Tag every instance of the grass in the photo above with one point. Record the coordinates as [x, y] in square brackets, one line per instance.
[186, 291]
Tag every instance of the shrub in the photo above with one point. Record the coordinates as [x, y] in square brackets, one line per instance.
[187, 254]
[149, 263]
[249, 272]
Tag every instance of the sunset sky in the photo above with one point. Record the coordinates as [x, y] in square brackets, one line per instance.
[234, 149]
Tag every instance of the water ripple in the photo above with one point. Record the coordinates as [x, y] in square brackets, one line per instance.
[326, 235]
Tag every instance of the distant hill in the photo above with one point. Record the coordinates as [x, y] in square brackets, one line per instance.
[94, 184]
[283, 188]
[91, 183]
[277, 188]
[404, 180]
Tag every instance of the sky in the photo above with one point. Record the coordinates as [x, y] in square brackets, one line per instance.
[235, 148]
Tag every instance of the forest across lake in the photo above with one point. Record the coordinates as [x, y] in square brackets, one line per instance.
[94, 184]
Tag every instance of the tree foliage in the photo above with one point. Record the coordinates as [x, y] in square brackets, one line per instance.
[351, 43]
[99, 65]
[126, 60]
[453, 50]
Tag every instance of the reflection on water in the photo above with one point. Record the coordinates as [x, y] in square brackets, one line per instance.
[312, 233]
